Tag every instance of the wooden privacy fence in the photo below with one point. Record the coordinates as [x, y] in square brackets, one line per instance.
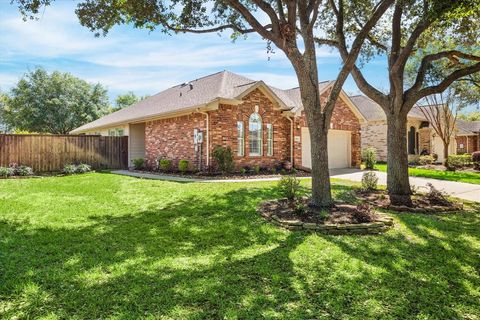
[46, 153]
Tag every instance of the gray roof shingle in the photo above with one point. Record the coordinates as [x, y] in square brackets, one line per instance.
[468, 127]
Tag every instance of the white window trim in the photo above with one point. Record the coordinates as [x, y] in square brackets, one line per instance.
[240, 139]
[269, 139]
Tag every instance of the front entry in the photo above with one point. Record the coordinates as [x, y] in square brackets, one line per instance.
[339, 149]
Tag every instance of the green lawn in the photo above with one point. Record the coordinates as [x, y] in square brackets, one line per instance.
[99, 246]
[468, 177]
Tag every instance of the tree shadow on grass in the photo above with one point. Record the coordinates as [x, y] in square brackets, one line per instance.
[214, 257]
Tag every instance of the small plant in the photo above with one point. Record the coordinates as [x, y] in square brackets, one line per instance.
[183, 165]
[83, 168]
[289, 187]
[6, 172]
[224, 159]
[165, 165]
[138, 163]
[293, 171]
[273, 170]
[23, 171]
[369, 157]
[369, 181]
[436, 197]
[69, 169]
[243, 171]
[300, 208]
[426, 160]
[256, 169]
[283, 171]
[363, 214]
[476, 159]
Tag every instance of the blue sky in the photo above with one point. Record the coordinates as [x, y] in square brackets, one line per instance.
[144, 62]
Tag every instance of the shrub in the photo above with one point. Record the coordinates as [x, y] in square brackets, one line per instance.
[413, 159]
[458, 161]
[369, 157]
[256, 169]
[69, 169]
[138, 163]
[426, 160]
[369, 181]
[24, 171]
[224, 159]
[289, 187]
[476, 159]
[6, 172]
[243, 170]
[183, 166]
[83, 168]
[165, 164]
[273, 170]
[436, 197]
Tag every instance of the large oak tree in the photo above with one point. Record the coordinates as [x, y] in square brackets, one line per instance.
[291, 25]
[435, 30]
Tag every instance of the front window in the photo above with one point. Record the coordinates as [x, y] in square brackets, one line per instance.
[240, 139]
[119, 132]
[111, 133]
[255, 135]
[269, 139]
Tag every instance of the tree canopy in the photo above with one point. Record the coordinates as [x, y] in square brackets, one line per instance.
[53, 103]
[127, 99]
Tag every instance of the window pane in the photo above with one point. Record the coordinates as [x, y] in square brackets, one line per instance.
[255, 134]
[269, 139]
[240, 138]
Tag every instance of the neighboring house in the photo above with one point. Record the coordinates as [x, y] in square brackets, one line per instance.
[421, 137]
[468, 136]
[263, 125]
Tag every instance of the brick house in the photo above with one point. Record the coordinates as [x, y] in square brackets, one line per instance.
[421, 137]
[263, 125]
[468, 136]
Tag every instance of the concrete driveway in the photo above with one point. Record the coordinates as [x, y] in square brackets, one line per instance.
[466, 191]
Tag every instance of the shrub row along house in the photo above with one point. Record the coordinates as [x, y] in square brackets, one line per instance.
[263, 125]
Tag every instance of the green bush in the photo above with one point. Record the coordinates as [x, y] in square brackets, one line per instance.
[369, 181]
[413, 159]
[138, 163]
[458, 161]
[23, 171]
[183, 165]
[69, 169]
[476, 159]
[256, 169]
[165, 165]
[6, 172]
[426, 160]
[369, 157]
[83, 168]
[224, 158]
[289, 187]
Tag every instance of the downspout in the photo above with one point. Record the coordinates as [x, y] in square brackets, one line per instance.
[291, 140]
[208, 136]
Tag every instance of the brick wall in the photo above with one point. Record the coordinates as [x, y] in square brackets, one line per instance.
[223, 130]
[374, 135]
[470, 141]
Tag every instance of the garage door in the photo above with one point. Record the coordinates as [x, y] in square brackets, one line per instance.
[339, 149]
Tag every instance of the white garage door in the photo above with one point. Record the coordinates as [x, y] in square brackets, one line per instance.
[339, 149]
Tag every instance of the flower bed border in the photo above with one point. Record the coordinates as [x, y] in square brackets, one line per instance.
[382, 224]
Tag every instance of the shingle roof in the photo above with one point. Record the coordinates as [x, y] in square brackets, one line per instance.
[221, 85]
[468, 127]
[373, 112]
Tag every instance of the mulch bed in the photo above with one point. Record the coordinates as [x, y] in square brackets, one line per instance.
[340, 219]
[421, 203]
[219, 176]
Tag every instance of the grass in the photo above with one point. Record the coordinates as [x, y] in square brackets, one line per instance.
[99, 246]
[458, 176]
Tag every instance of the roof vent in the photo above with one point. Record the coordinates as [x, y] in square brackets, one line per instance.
[180, 94]
[191, 86]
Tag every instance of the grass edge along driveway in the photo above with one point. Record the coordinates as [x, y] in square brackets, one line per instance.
[109, 246]
[458, 176]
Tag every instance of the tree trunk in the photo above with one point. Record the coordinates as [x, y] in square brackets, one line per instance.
[397, 161]
[446, 144]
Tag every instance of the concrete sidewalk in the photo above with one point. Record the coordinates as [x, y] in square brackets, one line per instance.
[466, 191]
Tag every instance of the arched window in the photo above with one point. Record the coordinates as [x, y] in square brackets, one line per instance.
[255, 135]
